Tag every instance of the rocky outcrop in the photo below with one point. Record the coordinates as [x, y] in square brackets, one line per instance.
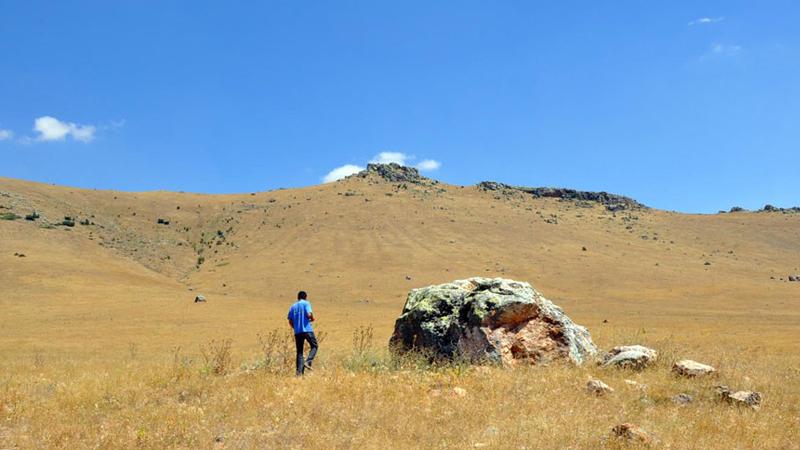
[690, 369]
[612, 202]
[492, 319]
[393, 172]
[770, 208]
[629, 356]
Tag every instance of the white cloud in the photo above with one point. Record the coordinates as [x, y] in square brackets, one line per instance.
[52, 129]
[6, 134]
[381, 158]
[341, 172]
[390, 157]
[727, 50]
[706, 21]
[429, 164]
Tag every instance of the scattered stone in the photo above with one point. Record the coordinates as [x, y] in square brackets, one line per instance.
[598, 388]
[632, 433]
[689, 368]
[682, 399]
[750, 399]
[162, 221]
[408, 278]
[19, 255]
[794, 277]
[583, 249]
[200, 298]
[706, 263]
[492, 319]
[68, 221]
[630, 356]
[635, 384]
[32, 216]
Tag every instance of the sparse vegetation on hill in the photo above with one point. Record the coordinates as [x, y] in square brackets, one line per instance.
[74, 305]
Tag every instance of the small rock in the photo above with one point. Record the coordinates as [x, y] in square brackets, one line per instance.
[751, 399]
[598, 388]
[689, 368]
[682, 399]
[635, 384]
[794, 277]
[632, 433]
[200, 298]
[630, 356]
[459, 392]
[408, 278]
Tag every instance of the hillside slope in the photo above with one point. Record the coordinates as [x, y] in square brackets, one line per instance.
[358, 245]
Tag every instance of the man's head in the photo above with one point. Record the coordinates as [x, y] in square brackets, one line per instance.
[302, 295]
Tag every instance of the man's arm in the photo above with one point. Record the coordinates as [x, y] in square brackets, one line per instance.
[291, 324]
[311, 316]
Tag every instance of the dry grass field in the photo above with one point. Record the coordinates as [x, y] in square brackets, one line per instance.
[102, 345]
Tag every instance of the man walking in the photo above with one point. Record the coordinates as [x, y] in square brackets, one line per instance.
[300, 318]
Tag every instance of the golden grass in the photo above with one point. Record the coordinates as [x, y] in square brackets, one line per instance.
[385, 404]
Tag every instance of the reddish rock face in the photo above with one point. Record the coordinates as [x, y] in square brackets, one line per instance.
[495, 319]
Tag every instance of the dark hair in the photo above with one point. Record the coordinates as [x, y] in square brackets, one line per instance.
[302, 295]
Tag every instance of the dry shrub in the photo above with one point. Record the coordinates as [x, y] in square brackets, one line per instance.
[217, 356]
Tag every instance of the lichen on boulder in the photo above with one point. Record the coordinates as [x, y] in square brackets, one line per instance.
[489, 319]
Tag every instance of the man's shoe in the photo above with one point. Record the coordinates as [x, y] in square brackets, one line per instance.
[308, 367]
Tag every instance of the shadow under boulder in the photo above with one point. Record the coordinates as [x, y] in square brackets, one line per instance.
[489, 319]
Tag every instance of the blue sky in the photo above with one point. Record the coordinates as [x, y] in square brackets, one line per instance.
[685, 105]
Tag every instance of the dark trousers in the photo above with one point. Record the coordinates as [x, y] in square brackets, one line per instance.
[300, 339]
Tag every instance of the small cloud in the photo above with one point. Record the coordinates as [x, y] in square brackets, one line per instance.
[381, 158]
[341, 172]
[728, 50]
[6, 134]
[706, 21]
[429, 164]
[391, 157]
[52, 129]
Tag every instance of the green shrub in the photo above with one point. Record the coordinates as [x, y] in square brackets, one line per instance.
[9, 216]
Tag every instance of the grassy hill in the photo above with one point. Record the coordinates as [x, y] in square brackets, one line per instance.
[117, 286]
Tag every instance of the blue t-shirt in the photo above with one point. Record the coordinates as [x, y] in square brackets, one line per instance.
[298, 314]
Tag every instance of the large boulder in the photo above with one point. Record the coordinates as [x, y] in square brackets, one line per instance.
[492, 319]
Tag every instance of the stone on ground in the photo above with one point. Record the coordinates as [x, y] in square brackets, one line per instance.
[598, 388]
[689, 368]
[682, 399]
[633, 433]
[750, 399]
[200, 298]
[630, 356]
[489, 319]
